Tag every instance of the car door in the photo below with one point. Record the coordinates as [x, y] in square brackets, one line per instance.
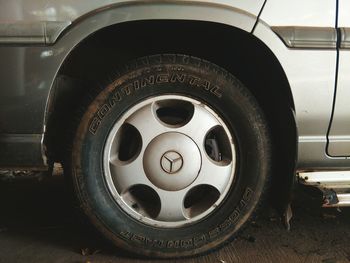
[339, 132]
[308, 29]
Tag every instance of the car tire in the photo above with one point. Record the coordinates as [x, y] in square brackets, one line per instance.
[172, 157]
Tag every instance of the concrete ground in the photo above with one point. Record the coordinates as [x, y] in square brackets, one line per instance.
[37, 224]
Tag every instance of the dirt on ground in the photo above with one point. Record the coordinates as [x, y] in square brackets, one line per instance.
[38, 224]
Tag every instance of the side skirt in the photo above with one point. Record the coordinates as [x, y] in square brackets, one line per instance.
[22, 152]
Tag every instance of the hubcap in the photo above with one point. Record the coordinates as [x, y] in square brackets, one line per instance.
[180, 161]
[169, 161]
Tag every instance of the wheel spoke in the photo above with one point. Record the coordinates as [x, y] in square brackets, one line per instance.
[215, 174]
[126, 175]
[171, 205]
[199, 125]
[147, 124]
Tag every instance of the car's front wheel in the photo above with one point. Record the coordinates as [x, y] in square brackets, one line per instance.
[172, 157]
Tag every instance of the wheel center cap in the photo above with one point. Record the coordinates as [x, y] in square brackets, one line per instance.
[171, 162]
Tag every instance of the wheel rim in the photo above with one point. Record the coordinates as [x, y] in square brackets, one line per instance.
[169, 161]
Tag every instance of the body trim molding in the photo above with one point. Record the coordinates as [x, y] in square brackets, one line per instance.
[307, 37]
[34, 33]
[345, 38]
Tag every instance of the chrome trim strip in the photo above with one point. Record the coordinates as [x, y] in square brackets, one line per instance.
[307, 37]
[345, 38]
[334, 185]
[329, 179]
[42, 32]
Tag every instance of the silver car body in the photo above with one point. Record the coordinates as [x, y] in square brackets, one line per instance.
[36, 36]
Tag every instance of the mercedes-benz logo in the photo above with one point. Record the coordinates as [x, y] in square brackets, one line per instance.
[171, 162]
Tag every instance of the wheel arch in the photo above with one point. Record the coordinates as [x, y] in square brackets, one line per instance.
[209, 40]
[66, 37]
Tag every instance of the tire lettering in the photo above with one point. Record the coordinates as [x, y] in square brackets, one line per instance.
[162, 78]
[234, 215]
[127, 89]
[155, 243]
[137, 84]
[193, 80]
[126, 234]
[115, 98]
[178, 78]
[147, 81]
[173, 244]
[95, 123]
[103, 111]
[199, 240]
[213, 233]
[225, 225]
[187, 243]
[138, 239]
[216, 91]
[195, 241]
